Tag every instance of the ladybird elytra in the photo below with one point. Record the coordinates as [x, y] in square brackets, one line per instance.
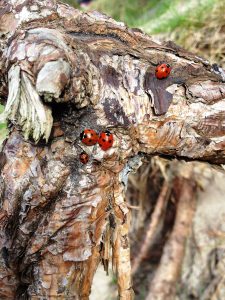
[162, 71]
[89, 137]
[84, 158]
[105, 140]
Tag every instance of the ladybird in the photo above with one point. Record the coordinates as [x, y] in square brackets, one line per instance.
[105, 140]
[162, 71]
[84, 158]
[89, 137]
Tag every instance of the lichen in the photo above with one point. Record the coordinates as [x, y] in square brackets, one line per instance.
[25, 107]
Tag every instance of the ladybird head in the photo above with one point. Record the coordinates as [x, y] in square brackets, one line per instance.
[82, 135]
[107, 132]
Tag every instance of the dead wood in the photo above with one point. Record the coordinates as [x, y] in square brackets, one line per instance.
[63, 71]
[163, 285]
[152, 227]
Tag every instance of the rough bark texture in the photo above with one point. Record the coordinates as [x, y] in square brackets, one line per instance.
[63, 71]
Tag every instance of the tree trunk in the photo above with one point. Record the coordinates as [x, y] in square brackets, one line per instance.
[63, 71]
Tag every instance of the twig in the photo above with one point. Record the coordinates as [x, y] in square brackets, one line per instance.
[163, 285]
[133, 207]
[155, 219]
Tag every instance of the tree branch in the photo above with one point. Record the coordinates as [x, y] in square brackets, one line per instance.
[163, 285]
[151, 230]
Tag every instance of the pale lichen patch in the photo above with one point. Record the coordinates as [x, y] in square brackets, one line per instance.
[24, 106]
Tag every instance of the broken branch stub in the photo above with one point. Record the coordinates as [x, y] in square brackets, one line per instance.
[63, 71]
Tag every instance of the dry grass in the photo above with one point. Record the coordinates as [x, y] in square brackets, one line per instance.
[207, 41]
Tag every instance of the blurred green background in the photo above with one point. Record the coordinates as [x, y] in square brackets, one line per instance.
[3, 130]
[197, 25]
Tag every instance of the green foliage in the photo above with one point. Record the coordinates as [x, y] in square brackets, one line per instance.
[1, 108]
[128, 11]
[3, 128]
[177, 13]
[157, 16]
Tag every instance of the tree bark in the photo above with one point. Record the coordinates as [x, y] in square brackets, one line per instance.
[63, 71]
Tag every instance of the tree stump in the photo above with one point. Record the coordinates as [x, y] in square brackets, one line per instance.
[63, 71]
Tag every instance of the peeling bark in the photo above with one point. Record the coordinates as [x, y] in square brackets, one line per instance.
[63, 71]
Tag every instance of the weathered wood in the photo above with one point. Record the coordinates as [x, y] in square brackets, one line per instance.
[163, 286]
[63, 71]
[152, 227]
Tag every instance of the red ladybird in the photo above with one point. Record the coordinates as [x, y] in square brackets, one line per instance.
[89, 137]
[105, 140]
[84, 158]
[162, 71]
